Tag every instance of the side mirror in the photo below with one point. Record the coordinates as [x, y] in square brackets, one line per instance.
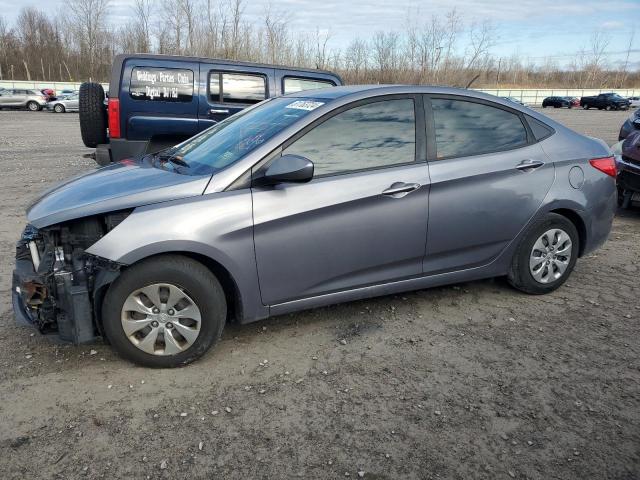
[287, 169]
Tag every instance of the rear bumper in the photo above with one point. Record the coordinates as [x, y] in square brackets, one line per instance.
[118, 149]
[628, 175]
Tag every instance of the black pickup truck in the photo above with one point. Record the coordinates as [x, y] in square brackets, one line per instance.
[605, 101]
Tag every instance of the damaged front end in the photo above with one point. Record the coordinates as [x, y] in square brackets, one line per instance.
[56, 284]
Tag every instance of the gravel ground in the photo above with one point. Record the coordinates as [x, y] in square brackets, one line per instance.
[469, 381]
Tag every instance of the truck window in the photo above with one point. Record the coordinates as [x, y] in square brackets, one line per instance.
[161, 84]
[293, 84]
[244, 88]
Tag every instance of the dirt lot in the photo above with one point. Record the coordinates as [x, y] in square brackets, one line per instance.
[469, 381]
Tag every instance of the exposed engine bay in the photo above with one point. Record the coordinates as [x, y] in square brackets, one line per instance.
[56, 285]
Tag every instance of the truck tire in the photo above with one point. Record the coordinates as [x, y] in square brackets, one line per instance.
[93, 116]
[585, 106]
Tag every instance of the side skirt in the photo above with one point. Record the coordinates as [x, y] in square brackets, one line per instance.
[488, 271]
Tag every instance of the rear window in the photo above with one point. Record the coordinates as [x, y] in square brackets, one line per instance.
[244, 88]
[161, 84]
[293, 84]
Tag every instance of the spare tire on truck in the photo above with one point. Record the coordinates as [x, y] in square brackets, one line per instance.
[93, 115]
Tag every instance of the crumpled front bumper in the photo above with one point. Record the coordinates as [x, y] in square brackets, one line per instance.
[49, 299]
[21, 311]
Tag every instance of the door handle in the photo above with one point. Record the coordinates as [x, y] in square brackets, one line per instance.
[214, 111]
[400, 189]
[529, 165]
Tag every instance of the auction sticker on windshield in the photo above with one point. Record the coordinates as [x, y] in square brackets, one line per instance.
[305, 105]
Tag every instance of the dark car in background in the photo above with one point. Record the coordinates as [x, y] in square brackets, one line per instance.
[605, 101]
[630, 125]
[628, 166]
[557, 102]
[157, 101]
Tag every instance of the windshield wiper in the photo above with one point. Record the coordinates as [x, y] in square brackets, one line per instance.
[176, 160]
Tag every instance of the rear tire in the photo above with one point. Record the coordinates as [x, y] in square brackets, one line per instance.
[195, 282]
[58, 108]
[520, 274]
[586, 107]
[33, 106]
[93, 116]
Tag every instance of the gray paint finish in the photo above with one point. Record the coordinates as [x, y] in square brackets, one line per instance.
[338, 238]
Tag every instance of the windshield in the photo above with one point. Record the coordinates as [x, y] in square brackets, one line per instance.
[230, 140]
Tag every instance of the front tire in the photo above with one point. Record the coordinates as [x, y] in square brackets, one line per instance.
[545, 256]
[164, 312]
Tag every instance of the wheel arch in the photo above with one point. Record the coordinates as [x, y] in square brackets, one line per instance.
[574, 217]
[105, 278]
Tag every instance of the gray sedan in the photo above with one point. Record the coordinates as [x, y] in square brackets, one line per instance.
[306, 200]
[67, 103]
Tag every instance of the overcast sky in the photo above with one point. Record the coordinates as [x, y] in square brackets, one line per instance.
[529, 28]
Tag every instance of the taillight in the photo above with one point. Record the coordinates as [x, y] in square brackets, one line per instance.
[114, 118]
[605, 165]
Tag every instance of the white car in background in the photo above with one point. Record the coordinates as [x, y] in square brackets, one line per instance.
[635, 101]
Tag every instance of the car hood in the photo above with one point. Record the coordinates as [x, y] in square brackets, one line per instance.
[119, 186]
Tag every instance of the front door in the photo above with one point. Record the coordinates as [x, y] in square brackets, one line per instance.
[362, 220]
[488, 179]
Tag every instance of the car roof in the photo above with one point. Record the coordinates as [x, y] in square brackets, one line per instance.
[332, 93]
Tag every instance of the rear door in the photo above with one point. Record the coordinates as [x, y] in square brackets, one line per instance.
[488, 178]
[362, 219]
[158, 99]
[228, 89]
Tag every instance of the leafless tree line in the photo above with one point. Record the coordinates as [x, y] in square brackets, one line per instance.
[81, 43]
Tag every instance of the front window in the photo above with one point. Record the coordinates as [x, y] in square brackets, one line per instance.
[375, 135]
[228, 141]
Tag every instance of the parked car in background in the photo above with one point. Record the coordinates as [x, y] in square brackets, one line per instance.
[557, 102]
[66, 92]
[49, 93]
[631, 124]
[23, 98]
[628, 165]
[575, 101]
[309, 199]
[605, 101]
[67, 103]
[514, 100]
[635, 101]
[156, 101]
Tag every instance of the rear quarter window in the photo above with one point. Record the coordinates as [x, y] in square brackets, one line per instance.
[295, 84]
[161, 84]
